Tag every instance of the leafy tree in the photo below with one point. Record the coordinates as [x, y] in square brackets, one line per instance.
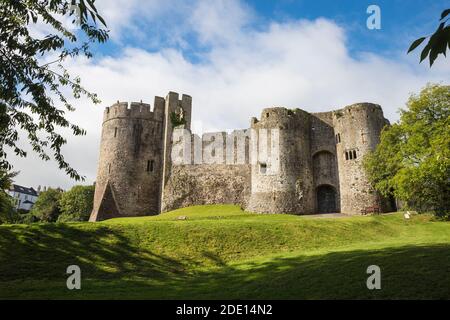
[28, 218]
[6, 179]
[8, 213]
[76, 204]
[438, 41]
[46, 208]
[412, 161]
[33, 81]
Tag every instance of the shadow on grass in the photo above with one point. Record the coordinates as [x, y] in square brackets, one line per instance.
[45, 251]
[33, 262]
[409, 272]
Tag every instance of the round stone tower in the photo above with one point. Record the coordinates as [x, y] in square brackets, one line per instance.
[281, 170]
[130, 163]
[357, 131]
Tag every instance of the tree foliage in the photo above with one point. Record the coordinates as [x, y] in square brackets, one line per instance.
[8, 213]
[412, 161]
[438, 41]
[46, 208]
[76, 204]
[34, 84]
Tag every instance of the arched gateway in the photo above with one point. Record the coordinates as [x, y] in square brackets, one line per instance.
[326, 199]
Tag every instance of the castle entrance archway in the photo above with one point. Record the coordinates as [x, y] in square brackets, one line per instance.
[326, 199]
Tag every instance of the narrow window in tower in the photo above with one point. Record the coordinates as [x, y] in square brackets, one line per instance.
[339, 137]
[150, 165]
[346, 155]
[115, 132]
[262, 168]
[109, 168]
[350, 155]
[354, 154]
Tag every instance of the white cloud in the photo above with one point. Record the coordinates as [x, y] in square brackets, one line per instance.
[295, 64]
[221, 22]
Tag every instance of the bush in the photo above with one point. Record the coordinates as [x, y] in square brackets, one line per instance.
[76, 204]
[46, 208]
[7, 212]
[28, 218]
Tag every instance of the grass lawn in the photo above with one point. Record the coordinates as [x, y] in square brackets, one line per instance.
[222, 252]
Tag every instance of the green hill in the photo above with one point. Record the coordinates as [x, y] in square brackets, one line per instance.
[223, 252]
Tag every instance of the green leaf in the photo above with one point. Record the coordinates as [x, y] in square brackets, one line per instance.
[445, 13]
[22, 74]
[425, 52]
[101, 20]
[415, 44]
[433, 55]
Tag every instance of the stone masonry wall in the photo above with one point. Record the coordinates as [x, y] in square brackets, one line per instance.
[323, 152]
[281, 182]
[130, 163]
[213, 169]
[359, 127]
[207, 184]
[290, 161]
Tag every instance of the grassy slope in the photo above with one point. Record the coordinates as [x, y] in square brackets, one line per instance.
[223, 252]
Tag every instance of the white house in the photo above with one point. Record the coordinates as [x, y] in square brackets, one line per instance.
[24, 197]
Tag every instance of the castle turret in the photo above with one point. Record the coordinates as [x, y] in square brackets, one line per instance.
[130, 163]
[357, 131]
[135, 156]
[281, 163]
[177, 114]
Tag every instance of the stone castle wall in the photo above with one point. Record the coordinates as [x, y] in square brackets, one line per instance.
[128, 172]
[288, 161]
[208, 170]
[207, 184]
[134, 162]
[281, 181]
[358, 128]
[325, 167]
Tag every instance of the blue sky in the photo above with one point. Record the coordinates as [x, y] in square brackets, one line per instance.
[400, 19]
[402, 22]
[237, 57]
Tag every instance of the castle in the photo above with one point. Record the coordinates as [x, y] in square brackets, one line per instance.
[288, 161]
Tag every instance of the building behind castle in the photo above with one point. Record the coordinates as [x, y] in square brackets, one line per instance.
[316, 167]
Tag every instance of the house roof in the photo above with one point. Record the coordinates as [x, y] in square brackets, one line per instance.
[24, 190]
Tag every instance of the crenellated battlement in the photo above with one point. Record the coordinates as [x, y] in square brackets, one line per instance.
[357, 108]
[280, 117]
[135, 110]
